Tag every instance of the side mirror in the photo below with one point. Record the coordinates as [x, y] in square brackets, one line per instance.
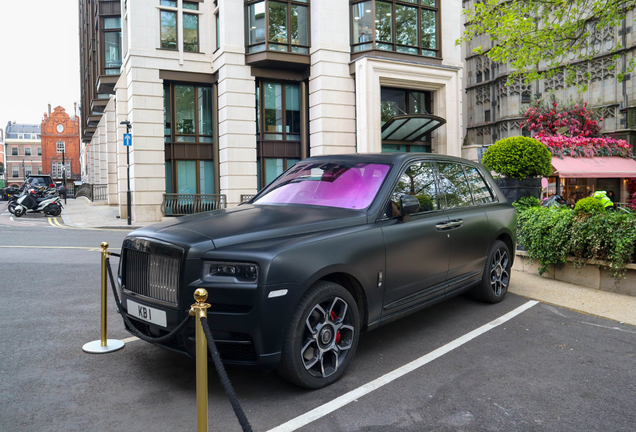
[408, 204]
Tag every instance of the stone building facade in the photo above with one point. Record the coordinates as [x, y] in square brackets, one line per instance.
[24, 152]
[494, 108]
[223, 95]
[60, 145]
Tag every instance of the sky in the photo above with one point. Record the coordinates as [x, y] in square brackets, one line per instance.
[39, 58]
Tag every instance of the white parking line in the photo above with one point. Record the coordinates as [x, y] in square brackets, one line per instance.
[130, 339]
[347, 398]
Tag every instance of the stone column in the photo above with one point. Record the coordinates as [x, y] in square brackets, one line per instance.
[111, 146]
[331, 88]
[236, 108]
[121, 114]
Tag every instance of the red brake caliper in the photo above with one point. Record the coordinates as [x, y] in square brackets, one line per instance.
[334, 317]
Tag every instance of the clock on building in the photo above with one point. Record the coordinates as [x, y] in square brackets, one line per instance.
[60, 128]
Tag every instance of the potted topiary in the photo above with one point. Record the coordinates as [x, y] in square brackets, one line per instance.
[522, 161]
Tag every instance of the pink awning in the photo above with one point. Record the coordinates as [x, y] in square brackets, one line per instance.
[594, 167]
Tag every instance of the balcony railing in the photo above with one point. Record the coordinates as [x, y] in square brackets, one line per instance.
[185, 204]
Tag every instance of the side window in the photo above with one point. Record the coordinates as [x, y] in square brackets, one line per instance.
[455, 185]
[418, 180]
[481, 192]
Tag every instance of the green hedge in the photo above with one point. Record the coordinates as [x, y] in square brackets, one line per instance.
[519, 158]
[589, 205]
[551, 235]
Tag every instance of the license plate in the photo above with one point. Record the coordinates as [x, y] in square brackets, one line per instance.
[148, 314]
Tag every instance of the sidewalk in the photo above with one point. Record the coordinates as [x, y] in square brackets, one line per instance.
[619, 307]
[81, 212]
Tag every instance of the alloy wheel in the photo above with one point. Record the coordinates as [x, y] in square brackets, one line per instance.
[499, 272]
[327, 337]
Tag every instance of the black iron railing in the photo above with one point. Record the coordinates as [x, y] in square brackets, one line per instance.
[184, 204]
[94, 192]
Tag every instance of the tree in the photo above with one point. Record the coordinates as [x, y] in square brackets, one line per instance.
[526, 33]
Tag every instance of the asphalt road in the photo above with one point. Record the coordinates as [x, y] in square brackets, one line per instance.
[546, 368]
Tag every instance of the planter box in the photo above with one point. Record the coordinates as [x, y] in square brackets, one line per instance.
[514, 189]
[594, 274]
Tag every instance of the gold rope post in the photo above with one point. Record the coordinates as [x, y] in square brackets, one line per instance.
[103, 345]
[199, 310]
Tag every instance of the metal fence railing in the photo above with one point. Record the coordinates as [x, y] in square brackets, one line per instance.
[184, 204]
[246, 198]
[94, 192]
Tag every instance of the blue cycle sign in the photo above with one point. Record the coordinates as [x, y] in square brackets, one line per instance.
[127, 139]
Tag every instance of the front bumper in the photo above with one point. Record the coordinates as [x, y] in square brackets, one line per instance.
[248, 327]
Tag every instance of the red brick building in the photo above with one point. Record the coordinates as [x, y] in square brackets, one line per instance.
[60, 141]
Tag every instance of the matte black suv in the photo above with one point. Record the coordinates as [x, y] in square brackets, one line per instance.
[335, 246]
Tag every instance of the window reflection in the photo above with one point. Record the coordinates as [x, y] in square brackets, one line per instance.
[383, 25]
[454, 183]
[287, 26]
[190, 32]
[362, 25]
[168, 30]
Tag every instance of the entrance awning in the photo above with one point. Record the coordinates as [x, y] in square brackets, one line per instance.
[411, 127]
[594, 167]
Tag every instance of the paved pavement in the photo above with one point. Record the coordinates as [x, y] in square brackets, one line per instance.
[618, 307]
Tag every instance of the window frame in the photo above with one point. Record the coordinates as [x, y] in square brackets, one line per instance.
[15, 151]
[57, 147]
[289, 3]
[394, 3]
[211, 147]
[25, 151]
[169, 9]
[407, 105]
[102, 50]
[198, 40]
[292, 148]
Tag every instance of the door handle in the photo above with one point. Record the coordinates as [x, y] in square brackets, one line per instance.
[442, 226]
[456, 223]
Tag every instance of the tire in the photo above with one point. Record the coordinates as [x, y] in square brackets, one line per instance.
[325, 326]
[54, 210]
[496, 277]
[11, 207]
[18, 212]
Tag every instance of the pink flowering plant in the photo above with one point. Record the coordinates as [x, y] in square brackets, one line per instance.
[572, 130]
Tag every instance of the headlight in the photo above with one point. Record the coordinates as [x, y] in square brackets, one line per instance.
[214, 271]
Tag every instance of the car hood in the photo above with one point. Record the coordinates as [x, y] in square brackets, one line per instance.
[247, 223]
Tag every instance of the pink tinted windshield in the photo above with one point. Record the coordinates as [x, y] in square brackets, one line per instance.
[327, 184]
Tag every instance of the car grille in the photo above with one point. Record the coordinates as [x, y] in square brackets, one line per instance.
[152, 275]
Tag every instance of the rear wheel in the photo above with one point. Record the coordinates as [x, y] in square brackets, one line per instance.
[496, 277]
[11, 207]
[19, 212]
[322, 337]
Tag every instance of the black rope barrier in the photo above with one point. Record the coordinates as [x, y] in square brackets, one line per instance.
[225, 380]
[131, 326]
[115, 254]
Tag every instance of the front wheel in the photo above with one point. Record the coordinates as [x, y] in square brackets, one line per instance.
[19, 211]
[322, 337]
[496, 277]
[11, 207]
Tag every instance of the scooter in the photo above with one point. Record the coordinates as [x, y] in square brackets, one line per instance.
[39, 193]
[29, 202]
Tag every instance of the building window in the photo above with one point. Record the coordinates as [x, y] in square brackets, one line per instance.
[112, 45]
[39, 169]
[27, 170]
[60, 147]
[16, 171]
[278, 26]
[14, 151]
[168, 28]
[189, 25]
[27, 151]
[39, 151]
[218, 30]
[190, 28]
[189, 137]
[398, 102]
[487, 115]
[405, 26]
[278, 128]
[525, 97]
[56, 169]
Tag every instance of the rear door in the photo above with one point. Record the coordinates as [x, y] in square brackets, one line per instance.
[468, 224]
[417, 250]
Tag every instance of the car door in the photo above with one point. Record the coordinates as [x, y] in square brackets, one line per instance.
[417, 250]
[468, 225]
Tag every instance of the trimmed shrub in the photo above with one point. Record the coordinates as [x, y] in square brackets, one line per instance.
[525, 202]
[519, 158]
[589, 205]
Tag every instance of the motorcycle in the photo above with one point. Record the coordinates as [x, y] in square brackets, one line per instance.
[49, 204]
[554, 201]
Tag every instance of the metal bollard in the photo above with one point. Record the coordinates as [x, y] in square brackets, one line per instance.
[199, 310]
[103, 345]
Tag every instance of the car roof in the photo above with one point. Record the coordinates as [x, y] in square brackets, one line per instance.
[394, 158]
